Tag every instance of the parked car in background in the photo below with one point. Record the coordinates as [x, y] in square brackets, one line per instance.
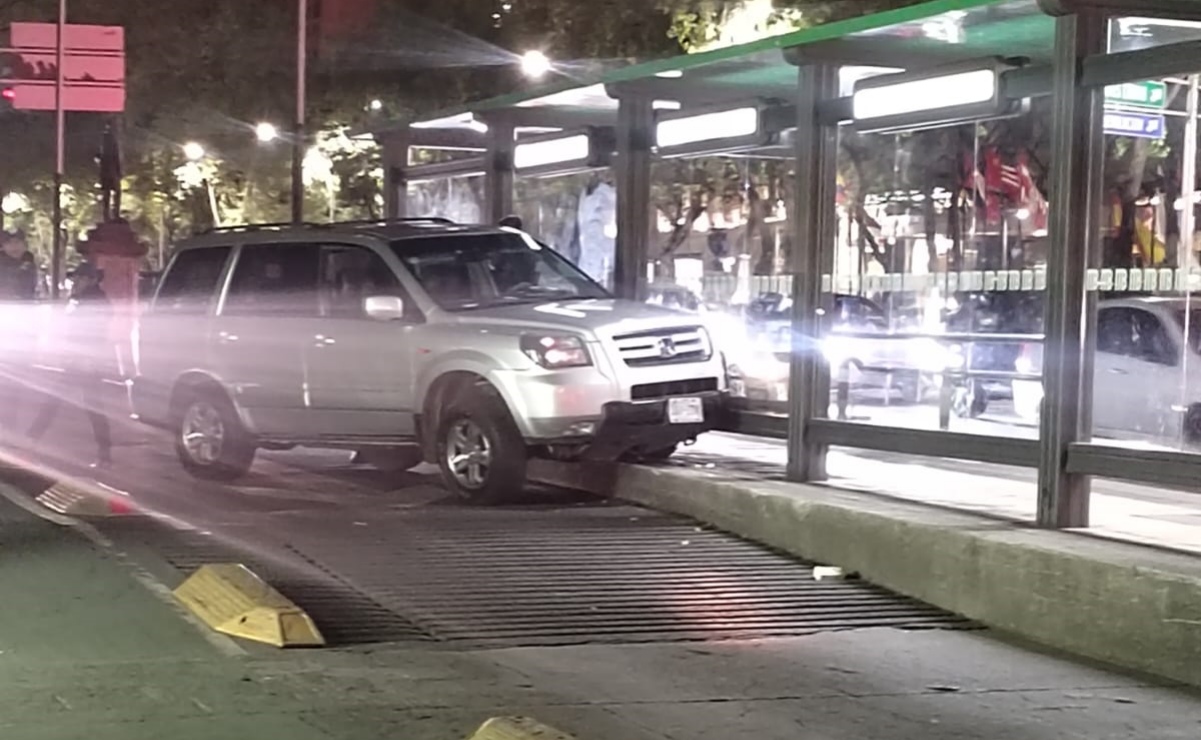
[1147, 372]
[857, 346]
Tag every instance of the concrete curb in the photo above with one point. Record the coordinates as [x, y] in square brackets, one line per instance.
[1132, 606]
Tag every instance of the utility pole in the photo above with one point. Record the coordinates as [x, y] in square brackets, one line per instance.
[298, 131]
[56, 256]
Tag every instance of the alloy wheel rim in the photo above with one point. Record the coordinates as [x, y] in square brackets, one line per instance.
[468, 454]
[203, 433]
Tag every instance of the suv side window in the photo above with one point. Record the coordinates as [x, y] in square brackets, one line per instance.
[1115, 332]
[350, 274]
[1152, 342]
[274, 280]
[191, 284]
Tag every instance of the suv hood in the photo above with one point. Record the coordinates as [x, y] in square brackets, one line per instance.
[607, 317]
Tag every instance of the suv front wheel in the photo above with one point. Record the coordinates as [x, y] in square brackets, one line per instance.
[480, 450]
[209, 439]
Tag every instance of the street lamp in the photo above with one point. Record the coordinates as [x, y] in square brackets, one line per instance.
[377, 104]
[266, 132]
[535, 64]
[194, 151]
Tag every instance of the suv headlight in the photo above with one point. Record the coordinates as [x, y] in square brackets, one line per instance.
[556, 351]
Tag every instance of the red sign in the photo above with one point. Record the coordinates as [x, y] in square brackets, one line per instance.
[93, 67]
[78, 37]
[76, 97]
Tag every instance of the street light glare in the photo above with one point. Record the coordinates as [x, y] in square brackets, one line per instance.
[377, 104]
[535, 64]
[193, 150]
[266, 132]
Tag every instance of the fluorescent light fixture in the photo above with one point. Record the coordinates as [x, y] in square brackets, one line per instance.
[726, 124]
[925, 95]
[460, 120]
[850, 74]
[551, 151]
[666, 105]
[670, 74]
[950, 95]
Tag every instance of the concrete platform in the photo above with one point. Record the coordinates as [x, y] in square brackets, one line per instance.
[1133, 606]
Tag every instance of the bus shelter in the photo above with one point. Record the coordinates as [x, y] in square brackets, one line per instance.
[924, 220]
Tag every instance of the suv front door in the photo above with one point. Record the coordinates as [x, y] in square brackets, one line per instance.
[360, 370]
[260, 336]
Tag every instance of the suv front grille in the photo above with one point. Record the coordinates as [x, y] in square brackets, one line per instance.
[665, 346]
[672, 388]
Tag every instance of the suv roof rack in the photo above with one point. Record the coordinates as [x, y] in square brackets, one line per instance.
[332, 224]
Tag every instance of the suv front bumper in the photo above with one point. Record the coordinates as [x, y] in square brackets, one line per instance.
[643, 425]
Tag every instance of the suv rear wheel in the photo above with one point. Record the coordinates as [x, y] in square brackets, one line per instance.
[480, 450]
[209, 439]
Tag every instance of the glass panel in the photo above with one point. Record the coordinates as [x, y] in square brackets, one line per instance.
[936, 298]
[1146, 383]
[719, 247]
[461, 199]
[1014, 28]
[574, 214]
[1132, 33]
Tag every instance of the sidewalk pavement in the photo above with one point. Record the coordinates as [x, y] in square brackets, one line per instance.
[1119, 510]
[87, 651]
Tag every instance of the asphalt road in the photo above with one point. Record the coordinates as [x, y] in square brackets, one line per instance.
[605, 619]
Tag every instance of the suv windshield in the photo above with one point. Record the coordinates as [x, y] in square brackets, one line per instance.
[468, 271]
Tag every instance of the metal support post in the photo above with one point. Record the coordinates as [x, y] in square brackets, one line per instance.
[635, 137]
[814, 232]
[1075, 185]
[396, 162]
[298, 129]
[60, 165]
[498, 180]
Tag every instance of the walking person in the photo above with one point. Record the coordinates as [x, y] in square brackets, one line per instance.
[88, 355]
[18, 287]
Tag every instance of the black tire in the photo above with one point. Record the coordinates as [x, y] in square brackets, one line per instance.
[479, 414]
[231, 451]
[390, 459]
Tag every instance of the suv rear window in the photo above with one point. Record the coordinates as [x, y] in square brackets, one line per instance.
[469, 271]
[190, 285]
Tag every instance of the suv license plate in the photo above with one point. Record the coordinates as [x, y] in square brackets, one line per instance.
[685, 411]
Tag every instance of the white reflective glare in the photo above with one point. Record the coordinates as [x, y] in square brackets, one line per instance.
[552, 151]
[266, 132]
[193, 150]
[535, 64]
[930, 94]
[727, 124]
[461, 120]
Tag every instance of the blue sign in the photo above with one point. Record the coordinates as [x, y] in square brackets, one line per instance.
[1137, 125]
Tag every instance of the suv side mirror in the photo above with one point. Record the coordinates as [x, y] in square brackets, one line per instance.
[384, 307]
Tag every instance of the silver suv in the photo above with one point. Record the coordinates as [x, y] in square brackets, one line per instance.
[410, 340]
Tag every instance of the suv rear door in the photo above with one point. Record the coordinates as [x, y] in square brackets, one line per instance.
[173, 335]
[260, 335]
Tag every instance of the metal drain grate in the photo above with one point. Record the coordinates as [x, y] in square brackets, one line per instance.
[344, 616]
[591, 575]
